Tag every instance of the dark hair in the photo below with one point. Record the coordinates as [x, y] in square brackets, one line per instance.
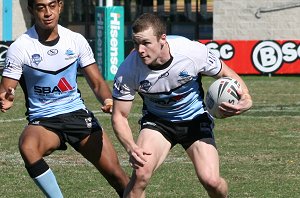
[31, 2]
[148, 20]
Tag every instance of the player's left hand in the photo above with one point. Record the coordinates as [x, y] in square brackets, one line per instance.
[243, 105]
[107, 107]
[138, 157]
[7, 99]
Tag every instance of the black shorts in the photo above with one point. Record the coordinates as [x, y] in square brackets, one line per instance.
[184, 133]
[71, 127]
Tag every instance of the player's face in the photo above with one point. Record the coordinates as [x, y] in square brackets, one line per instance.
[46, 13]
[148, 46]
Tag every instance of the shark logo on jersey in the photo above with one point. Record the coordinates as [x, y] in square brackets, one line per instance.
[145, 85]
[36, 59]
[70, 54]
[185, 77]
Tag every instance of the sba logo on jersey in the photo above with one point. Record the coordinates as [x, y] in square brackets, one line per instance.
[62, 86]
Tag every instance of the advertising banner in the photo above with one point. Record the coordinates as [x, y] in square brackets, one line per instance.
[258, 56]
[109, 50]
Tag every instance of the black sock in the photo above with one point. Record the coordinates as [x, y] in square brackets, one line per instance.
[120, 194]
[37, 168]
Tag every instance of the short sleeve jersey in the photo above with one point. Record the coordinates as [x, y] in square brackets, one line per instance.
[47, 73]
[173, 93]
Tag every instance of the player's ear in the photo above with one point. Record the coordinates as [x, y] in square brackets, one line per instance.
[163, 39]
[60, 6]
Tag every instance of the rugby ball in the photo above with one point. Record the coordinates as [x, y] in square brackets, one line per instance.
[222, 90]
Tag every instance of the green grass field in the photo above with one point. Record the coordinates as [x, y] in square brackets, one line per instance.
[259, 150]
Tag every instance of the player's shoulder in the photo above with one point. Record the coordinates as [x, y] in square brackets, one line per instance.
[26, 37]
[65, 32]
[180, 40]
[25, 40]
[177, 38]
[184, 46]
[131, 63]
[132, 59]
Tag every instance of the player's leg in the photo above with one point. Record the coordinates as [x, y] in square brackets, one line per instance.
[206, 162]
[98, 149]
[36, 142]
[154, 142]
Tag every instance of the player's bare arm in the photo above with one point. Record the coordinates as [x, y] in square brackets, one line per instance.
[123, 132]
[7, 93]
[99, 87]
[245, 102]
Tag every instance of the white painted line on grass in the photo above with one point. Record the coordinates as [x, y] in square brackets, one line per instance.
[137, 115]
[13, 120]
[98, 113]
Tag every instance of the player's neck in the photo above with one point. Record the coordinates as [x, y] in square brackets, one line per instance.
[47, 35]
[164, 57]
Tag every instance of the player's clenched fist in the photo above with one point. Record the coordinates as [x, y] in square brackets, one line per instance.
[107, 106]
[7, 99]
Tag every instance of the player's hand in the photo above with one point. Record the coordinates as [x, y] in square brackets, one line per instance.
[7, 99]
[243, 105]
[138, 157]
[107, 107]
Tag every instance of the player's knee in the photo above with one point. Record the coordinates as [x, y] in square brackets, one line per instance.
[26, 149]
[212, 183]
[143, 175]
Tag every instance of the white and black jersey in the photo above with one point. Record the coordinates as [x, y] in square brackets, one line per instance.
[47, 71]
[173, 92]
